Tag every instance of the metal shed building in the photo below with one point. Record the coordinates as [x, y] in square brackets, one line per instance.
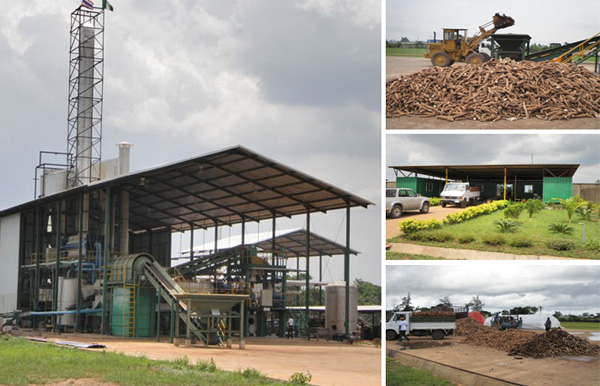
[499, 181]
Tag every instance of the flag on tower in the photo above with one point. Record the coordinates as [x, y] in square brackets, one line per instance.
[107, 5]
[88, 3]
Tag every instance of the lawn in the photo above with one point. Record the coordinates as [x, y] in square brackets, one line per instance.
[410, 52]
[581, 325]
[397, 374]
[533, 231]
[408, 256]
[25, 363]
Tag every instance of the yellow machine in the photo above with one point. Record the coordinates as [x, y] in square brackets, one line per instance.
[456, 47]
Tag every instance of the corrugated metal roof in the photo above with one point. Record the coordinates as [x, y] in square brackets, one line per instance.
[221, 188]
[492, 172]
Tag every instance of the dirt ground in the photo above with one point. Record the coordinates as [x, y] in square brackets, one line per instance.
[391, 224]
[397, 66]
[562, 371]
[330, 363]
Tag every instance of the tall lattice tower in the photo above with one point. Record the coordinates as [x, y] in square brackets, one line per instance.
[86, 79]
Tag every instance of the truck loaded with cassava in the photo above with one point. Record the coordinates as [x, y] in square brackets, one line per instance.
[460, 194]
[437, 323]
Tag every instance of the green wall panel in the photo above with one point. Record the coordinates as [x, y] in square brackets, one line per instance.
[557, 187]
[407, 182]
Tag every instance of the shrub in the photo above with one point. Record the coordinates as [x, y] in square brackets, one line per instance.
[474, 211]
[434, 201]
[592, 245]
[506, 226]
[560, 228]
[560, 244]
[514, 210]
[301, 378]
[466, 239]
[493, 239]
[415, 236]
[533, 206]
[585, 212]
[411, 226]
[439, 236]
[521, 242]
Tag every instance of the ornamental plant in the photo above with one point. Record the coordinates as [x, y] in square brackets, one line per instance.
[514, 211]
[411, 226]
[505, 226]
[434, 201]
[570, 204]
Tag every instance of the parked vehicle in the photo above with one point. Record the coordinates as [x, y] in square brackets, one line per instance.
[400, 200]
[436, 327]
[459, 193]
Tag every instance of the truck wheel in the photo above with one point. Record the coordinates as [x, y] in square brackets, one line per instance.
[475, 58]
[463, 204]
[440, 59]
[438, 334]
[391, 335]
[396, 211]
[425, 207]
[443, 205]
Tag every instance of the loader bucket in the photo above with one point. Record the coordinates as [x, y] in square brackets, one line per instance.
[503, 21]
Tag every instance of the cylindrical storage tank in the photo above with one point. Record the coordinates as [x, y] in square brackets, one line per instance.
[335, 307]
[67, 299]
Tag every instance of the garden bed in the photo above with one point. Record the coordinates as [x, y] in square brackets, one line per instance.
[531, 236]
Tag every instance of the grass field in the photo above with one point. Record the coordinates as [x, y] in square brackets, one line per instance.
[408, 256]
[533, 230]
[595, 326]
[25, 363]
[397, 374]
[409, 52]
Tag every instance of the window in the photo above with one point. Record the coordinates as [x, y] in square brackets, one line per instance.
[528, 188]
[411, 193]
[429, 187]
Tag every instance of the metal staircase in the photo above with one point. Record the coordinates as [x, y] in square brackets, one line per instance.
[160, 279]
[301, 319]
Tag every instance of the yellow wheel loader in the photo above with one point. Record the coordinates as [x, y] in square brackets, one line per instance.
[457, 47]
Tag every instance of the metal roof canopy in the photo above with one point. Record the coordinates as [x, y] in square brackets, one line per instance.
[288, 243]
[491, 172]
[293, 244]
[221, 188]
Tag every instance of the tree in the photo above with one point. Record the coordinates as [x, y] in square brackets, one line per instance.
[528, 310]
[476, 304]
[368, 293]
[405, 40]
[557, 314]
[406, 303]
[445, 301]
[570, 204]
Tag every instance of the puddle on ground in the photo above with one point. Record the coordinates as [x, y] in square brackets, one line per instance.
[595, 336]
[580, 358]
[419, 345]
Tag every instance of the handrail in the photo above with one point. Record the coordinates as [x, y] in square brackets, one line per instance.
[578, 47]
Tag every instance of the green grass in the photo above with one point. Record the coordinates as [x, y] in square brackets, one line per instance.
[396, 374]
[408, 256]
[535, 228]
[25, 363]
[410, 52]
[595, 326]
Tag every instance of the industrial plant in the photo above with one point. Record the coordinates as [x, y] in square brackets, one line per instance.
[93, 251]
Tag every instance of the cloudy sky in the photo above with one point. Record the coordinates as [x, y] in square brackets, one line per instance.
[464, 149]
[296, 81]
[570, 289]
[546, 21]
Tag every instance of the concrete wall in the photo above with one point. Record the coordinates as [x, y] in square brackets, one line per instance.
[9, 261]
[588, 192]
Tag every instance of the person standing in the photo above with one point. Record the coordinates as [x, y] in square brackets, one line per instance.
[291, 327]
[403, 329]
[548, 324]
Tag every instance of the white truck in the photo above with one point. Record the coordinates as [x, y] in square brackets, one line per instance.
[437, 327]
[460, 194]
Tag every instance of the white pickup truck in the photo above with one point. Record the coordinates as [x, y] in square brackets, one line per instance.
[437, 327]
[459, 193]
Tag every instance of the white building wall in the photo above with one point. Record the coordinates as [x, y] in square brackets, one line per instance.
[9, 261]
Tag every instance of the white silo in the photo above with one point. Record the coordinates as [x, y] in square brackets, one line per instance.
[335, 307]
